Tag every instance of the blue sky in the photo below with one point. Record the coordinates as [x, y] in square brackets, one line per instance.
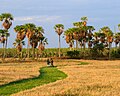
[47, 13]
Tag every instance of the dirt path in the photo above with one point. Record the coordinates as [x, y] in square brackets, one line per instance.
[99, 78]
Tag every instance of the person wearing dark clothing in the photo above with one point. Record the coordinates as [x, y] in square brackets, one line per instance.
[51, 61]
[48, 62]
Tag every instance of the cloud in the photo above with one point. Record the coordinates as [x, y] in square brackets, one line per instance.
[38, 18]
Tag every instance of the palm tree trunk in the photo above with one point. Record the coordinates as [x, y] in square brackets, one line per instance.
[115, 45]
[76, 44]
[37, 53]
[6, 42]
[4, 51]
[109, 51]
[59, 46]
[33, 51]
[84, 44]
[119, 44]
[28, 48]
[5, 47]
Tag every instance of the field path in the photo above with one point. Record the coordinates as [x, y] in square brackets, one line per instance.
[98, 78]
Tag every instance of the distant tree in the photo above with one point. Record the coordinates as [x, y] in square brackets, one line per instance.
[30, 30]
[59, 28]
[18, 44]
[3, 36]
[117, 39]
[90, 35]
[6, 19]
[108, 35]
[69, 37]
[21, 32]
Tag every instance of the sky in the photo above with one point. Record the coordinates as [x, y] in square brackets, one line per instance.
[47, 13]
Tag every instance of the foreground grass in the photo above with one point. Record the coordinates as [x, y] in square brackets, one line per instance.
[47, 75]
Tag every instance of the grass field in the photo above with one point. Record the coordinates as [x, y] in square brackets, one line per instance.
[85, 78]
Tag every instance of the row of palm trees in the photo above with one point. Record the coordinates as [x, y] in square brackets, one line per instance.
[84, 36]
[81, 33]
[35, 35]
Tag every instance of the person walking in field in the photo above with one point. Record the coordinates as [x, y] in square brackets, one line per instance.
[48, 62]
[51, 62]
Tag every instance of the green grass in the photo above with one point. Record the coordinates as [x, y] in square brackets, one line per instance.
[47, 75]
[83, 63]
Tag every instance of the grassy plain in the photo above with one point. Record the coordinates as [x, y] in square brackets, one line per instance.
[94, 78]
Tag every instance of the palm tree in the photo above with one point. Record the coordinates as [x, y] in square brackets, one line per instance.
[6, 18]
[83, 30]
[96, 39]
[37, 38]
[69, 37]
[76, 35]
[21, 32]
[117, 39]
[3, 36]
[59, 28]
[108, 34]
[43, 42]
[30, 30]
[90, 35]
[41, 38]
[18, 44]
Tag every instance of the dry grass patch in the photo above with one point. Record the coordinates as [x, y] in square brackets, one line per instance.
[98, 78]
[16, 71]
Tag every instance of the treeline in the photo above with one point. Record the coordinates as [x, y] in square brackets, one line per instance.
[85, 37]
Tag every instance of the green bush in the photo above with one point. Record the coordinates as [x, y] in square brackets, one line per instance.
[73, 54]
[115, 53]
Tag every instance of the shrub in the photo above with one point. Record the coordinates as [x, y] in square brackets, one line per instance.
[73, 54]
[115, 53]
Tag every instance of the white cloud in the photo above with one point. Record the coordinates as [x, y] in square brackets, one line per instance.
[38, 18]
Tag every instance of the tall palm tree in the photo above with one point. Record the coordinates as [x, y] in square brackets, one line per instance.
[41, 38]
[21, 32]
[76, 35]
[18, 44]
[30, 30]
[43, 42]
[59, 28]
[109, 35]
[83, 30]
[37, 38]
[69, 37]
[90, 35]
[117, 39]
[118, 35]
[3, 36]
[6, 18]
[96, 39]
